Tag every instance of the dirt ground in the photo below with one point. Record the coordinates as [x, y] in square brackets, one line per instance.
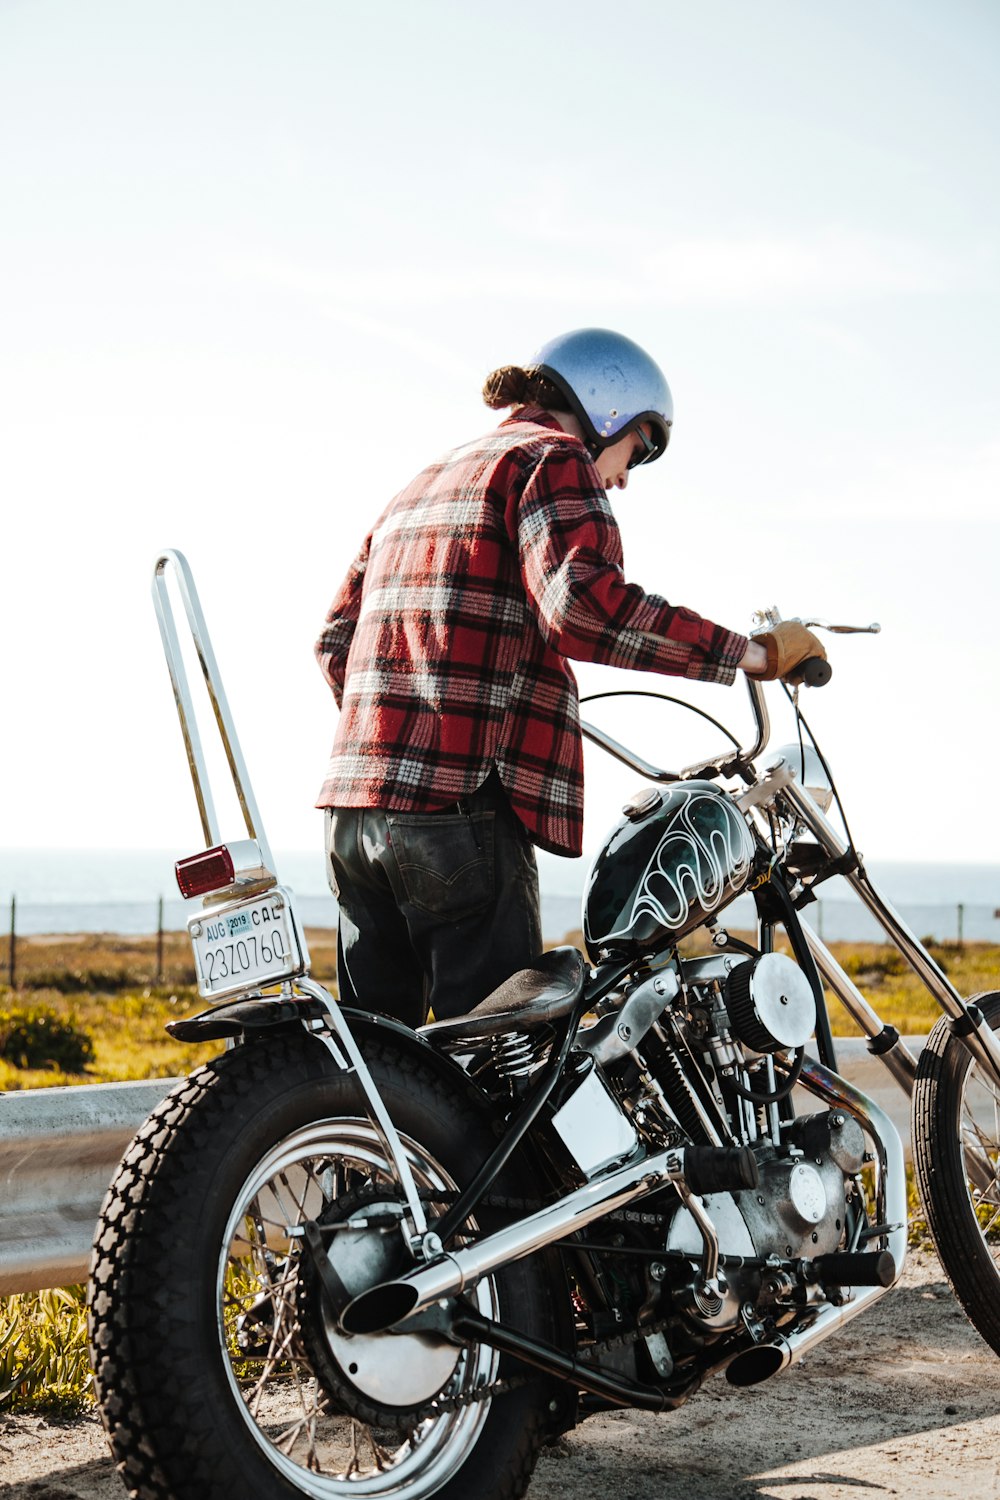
[905, 1401]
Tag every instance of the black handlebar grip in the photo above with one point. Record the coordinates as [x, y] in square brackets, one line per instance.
[816, 671]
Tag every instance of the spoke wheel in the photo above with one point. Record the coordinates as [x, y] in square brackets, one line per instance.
[311, 1427]
[219, 1366]
[956, 1154]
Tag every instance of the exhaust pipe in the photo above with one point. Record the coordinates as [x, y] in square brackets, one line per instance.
[700, 1169]
[763, 1360]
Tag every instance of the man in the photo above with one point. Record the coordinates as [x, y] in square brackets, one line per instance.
[447, 649]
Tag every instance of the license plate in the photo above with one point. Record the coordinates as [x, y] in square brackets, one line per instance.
[247, 943]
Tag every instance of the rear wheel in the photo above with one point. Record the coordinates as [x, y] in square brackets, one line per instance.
[220, 1370]
[956, 1155]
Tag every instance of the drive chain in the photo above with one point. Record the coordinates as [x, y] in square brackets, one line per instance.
[590, 1355]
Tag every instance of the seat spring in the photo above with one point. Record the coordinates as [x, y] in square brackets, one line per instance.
[513, 1054]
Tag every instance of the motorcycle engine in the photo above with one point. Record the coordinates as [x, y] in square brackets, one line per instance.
[731, 1017]
[797, 1211]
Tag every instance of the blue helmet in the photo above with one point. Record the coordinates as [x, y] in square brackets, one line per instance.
[611, 385]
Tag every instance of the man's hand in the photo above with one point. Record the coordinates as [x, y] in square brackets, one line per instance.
[787, 646]
[754, 660]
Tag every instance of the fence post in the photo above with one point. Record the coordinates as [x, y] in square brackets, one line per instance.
[961, 924]
[159, 941]
[12, 956]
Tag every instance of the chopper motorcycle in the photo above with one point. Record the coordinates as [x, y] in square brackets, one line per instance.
[344, 1258]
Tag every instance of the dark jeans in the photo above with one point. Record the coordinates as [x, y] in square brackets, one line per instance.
[436, 909]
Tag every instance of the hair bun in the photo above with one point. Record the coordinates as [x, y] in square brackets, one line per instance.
[507, 386]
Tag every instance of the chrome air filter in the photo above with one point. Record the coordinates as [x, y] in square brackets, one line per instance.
[770, 1003]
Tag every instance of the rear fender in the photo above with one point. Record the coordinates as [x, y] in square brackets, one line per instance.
[250, 1021]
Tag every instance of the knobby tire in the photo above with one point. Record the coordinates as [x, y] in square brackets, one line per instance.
[956, 1156]
[171, 1408]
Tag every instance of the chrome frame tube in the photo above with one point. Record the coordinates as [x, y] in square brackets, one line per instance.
[898, 1058]
[889, 1161]
[217, 697]
[451, 1275]
[381, 1120]
[709, 1236]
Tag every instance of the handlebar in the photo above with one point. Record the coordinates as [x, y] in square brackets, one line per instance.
[816, 672]
[724, 764]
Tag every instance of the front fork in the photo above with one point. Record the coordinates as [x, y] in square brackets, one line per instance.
[966, 1022]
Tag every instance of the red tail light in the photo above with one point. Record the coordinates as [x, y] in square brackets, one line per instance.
[211, 870]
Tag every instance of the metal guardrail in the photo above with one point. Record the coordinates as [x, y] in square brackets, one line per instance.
[58, 1151]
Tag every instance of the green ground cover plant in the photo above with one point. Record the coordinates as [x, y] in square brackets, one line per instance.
[34, 1036]
[44, 1365]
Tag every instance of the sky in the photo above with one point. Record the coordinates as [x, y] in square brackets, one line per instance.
[257, 258]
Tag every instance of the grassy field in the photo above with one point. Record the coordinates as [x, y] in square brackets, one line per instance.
[105, 988]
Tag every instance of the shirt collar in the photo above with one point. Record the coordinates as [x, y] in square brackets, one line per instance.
[536, 415]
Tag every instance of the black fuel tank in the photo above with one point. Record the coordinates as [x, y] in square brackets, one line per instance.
[680, 854]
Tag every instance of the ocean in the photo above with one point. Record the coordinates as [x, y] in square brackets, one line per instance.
[108, 890]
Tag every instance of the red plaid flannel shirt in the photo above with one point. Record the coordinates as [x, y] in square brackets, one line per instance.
[446, 647]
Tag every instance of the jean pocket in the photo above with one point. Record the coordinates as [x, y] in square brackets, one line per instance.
[445, 861]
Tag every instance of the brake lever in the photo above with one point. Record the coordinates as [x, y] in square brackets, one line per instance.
[766, 619]
[873, 629]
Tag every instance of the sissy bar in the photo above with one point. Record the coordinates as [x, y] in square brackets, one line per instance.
[220, 706]
[247, 935]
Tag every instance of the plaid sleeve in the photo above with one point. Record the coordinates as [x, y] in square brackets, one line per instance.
[338, 629]
[571, 564]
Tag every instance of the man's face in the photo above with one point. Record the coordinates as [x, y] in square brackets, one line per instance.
[613, 463]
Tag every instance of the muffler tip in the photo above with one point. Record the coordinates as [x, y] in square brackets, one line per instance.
[757, 1364]
[379, 1308]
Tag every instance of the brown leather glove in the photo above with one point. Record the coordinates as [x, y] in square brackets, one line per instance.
[788, 645]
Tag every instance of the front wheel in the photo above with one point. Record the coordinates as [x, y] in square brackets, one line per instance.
[956, 1155]
[220, 1372]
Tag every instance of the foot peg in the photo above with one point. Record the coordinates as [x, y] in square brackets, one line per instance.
[720, 1169]
[854, 1268]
